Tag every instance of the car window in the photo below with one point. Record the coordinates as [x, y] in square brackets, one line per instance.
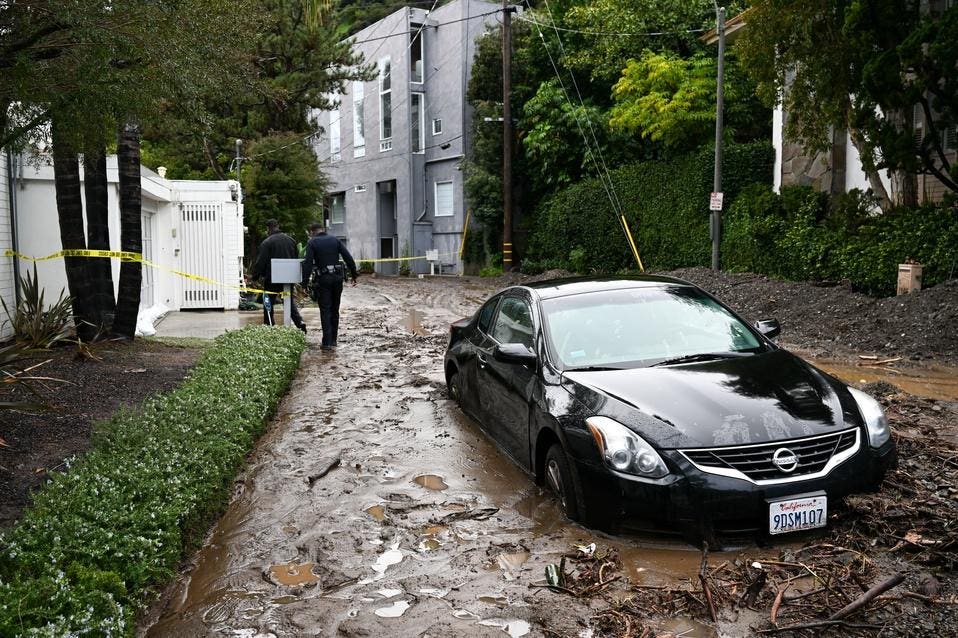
[639, 325]
[514, 322]
[485, 314]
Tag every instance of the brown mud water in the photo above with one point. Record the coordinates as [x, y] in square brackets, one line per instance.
[373, 507]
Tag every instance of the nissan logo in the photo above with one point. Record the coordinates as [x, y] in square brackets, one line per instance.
[785, 460]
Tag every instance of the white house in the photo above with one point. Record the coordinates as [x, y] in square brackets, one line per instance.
[192, 227]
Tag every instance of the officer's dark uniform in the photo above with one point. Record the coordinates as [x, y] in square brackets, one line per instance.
[322, 254]
[277, 246]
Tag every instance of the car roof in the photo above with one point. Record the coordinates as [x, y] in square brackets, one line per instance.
[551, 288]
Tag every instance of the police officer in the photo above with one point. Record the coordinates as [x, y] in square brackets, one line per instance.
[277, 245]
[322, 257]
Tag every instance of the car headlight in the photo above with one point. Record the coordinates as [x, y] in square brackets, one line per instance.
[875, 421]
[623, 450]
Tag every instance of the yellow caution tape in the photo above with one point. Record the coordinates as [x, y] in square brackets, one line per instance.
[388, 259]
[131, 257]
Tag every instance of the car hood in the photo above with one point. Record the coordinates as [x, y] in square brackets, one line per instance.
[764, 397]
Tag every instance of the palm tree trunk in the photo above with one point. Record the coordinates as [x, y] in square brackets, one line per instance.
[131, 231]
[66, 175]
[98, 238]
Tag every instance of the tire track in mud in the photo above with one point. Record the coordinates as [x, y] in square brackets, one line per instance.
[373, 507]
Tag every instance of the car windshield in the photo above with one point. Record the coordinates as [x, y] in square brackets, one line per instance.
[642, 326]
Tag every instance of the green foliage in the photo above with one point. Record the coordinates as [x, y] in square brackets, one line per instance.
[366, 267]
[671, 100]
[404, 268]
[490, 271]
[604, 56]
[665, 203]
[35, 323]
[803, 235]
[284, 184]
[100, 536]
[860, 65]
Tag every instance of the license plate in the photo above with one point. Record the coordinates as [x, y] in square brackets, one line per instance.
[797, 514]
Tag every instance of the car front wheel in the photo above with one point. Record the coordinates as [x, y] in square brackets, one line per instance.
[453, 389]
[559, 481]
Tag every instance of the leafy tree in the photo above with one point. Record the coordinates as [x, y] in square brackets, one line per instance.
[671, 100]
[299, 61]
[861, 65]
[283, 182]
[90, 68]
[616, 31]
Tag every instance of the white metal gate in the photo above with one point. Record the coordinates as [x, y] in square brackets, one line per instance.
[201, 228]
[148, 283]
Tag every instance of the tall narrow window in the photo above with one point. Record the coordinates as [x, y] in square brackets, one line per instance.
[418, 116]
[385, 104]
[415, 54]
[335, 145]
[444, 199]
[337, 208]
[359, 126]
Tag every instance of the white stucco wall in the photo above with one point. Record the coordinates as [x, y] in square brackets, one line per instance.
[7, 291]
[39, 233]
[854, 175]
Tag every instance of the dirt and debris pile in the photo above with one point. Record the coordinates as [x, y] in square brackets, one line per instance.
[917, 326]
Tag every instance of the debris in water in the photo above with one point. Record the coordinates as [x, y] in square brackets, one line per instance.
[395, 610]
[511, 563]
[463, 614]
[378, 512]
[322, 469]
[389, 593]
[586, 550]
[476, 514]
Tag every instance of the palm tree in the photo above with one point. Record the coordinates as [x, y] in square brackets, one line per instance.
[131, 232]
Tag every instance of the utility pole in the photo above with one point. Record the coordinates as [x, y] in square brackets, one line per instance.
[506, 137]
[715, 205]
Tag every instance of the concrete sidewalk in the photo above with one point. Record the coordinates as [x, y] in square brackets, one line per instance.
[208, 324]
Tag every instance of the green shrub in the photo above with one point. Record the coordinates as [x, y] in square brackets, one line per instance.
[665, 203]
[804, 235]
[98, 537]
[34, 322]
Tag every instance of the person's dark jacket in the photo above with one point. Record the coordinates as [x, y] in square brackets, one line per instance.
[325, 250]
[277, 246]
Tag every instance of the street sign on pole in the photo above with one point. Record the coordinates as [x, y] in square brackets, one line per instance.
[715, 201]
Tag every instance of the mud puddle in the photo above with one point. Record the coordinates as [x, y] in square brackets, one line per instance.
[929, 381]
[418, 525]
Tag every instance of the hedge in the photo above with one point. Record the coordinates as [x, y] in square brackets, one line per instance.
[665, 203]
[804, 235]
[101, 536]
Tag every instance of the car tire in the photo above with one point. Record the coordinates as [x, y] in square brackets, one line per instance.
[560, 481]
[453, 389]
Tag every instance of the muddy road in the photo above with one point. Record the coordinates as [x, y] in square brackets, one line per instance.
[373, 507]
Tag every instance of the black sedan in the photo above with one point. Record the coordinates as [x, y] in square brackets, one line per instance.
[645, 400]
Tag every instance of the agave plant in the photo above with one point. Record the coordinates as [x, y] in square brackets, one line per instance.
[34, 325]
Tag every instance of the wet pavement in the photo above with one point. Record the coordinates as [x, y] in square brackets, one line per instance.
[374, 507]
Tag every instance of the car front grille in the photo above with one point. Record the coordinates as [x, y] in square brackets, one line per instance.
[816, 456]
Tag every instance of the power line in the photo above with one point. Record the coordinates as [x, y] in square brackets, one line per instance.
[608, 33]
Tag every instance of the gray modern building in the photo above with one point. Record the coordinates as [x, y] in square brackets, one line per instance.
[394, 147]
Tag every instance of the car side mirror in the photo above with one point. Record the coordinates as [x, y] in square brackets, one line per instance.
[769, 328]
[514, 353]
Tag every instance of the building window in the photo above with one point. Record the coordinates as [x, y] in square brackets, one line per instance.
[418, 116]
[415, 54]
[359, 114]
[437, 126]
[335, 145]
[444, 199]
[385, 101]
[337, 208]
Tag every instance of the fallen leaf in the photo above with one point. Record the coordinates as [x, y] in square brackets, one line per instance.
[3, 443]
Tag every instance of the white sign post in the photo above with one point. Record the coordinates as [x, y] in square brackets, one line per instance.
[715, 201]
[286, 272]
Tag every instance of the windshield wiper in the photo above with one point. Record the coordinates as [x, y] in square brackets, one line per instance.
[592, 369]
[702, 356]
